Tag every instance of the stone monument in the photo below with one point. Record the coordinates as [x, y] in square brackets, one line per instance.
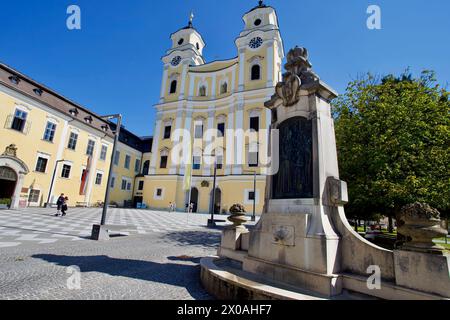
[303, 239]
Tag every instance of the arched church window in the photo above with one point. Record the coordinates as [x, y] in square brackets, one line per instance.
[224, 88]
[202, 91]
[173, 87]
[256, 72]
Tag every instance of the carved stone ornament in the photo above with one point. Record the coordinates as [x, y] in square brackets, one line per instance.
[421, 223]
[237, 216]
[11, 151]
[299, 73]
[205, 184]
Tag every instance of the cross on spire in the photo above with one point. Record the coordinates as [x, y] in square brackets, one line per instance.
[191, 18]
[261, 2]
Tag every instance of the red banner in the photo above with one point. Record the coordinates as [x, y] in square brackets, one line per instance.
[85, 177]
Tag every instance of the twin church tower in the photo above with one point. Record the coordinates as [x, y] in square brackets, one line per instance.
[224, 95]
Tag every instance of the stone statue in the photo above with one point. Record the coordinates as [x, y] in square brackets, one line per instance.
[11, 151]
[299, 73]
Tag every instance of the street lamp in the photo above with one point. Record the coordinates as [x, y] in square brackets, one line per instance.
[254, 193]
[97, 232]
[51, 183]
[212, 222]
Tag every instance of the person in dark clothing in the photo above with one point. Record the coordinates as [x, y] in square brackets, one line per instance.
[64, 206]
[59, 204]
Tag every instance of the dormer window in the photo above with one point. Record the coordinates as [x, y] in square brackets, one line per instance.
[14, 79]
[73, 112]
[88, 119]
[37, 92]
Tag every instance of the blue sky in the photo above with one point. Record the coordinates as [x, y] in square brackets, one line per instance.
[113, 63]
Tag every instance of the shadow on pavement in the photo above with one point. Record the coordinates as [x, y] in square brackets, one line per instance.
[180, 275]
[195, 238]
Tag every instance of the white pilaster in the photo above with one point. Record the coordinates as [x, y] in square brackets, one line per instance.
[241, 69]
[229, 136]
[164, 84]
[239, 142]
[191, 86]
[92, 172]
[213, 87]
[187, 127]
[233, 80]
[59, 153]
[270, 64]
[174, 167]
[209, 138]
[183, 80]
[155, 148]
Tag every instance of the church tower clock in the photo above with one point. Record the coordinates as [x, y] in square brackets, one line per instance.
[260, 49]
[187, 48]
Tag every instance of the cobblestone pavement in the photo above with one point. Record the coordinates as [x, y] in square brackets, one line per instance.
[160, 262]
[40, 226]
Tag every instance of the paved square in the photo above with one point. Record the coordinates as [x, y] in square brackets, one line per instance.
[40, 226]
[40, 255]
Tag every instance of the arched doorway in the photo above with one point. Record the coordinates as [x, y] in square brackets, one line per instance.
[8, 181]
[194, 199]
[12, 174]
[217, 201]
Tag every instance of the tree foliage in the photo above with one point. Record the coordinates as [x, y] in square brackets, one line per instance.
[393, 142]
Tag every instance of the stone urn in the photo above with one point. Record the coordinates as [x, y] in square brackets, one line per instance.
[237, 216]
[421, 223]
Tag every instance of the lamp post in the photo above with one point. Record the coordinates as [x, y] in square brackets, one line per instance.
[111, 165]
[254, 194]
[99, 233]
[51, 183]
[211, 222]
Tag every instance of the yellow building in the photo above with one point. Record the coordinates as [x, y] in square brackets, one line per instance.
[45, 134]
[226, 96]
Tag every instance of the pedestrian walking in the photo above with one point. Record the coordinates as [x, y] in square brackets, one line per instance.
[59, 204]
[64, 206]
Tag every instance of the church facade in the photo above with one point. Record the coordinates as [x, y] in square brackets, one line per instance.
[205, 106]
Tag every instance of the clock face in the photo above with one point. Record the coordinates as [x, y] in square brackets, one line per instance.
[256, 43]
[176, 61]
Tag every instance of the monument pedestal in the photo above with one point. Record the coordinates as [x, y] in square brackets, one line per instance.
[303, 238]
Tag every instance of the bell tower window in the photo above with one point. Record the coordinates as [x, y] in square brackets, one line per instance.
[256, 72]
[258, 22]
[173, 87]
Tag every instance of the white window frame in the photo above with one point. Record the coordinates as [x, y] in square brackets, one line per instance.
[104, 146]
[127, 156]
[76, 141]
[247, 194]
[44, 156]
[155, 194]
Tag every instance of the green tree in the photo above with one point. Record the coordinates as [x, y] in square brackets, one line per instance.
[393, 142]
